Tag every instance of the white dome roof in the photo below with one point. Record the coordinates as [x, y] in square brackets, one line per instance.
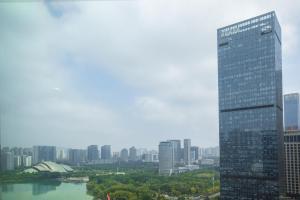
[49, 166]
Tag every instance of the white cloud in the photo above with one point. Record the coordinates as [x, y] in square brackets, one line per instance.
[164, 52]
[155, 109]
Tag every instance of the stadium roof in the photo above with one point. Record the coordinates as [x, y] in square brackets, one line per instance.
[48, 166]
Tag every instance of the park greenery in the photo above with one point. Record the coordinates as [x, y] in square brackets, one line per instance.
[131, 181]
[18, 176]
[137, 166]
[149, 185]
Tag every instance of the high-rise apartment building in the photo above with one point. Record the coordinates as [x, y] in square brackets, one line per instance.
[116, 155]
[17, 161]
[124, 155]
[187, 151]
[166, 158]
[77, 156]
[209, 152]
[17, 151]
[140, 153]
[194, 153]
[151, 156]
[26, 161]
[177, 150]
[292, 163]
[132, 154]
[291, 111]
[44, 153]
[106, 152]
[28, 151]
[92, 153]
[250, 109]
[62, 154]
[7, 161]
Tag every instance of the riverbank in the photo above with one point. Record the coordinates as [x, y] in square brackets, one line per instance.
[84, 179]
[20, 177]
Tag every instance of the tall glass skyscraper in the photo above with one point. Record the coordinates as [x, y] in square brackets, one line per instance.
[166, 158]
[106, 152]
[291, 111]
[177, 150]
[187, 151]
[250, 109]
[44, 153]
[92, 153]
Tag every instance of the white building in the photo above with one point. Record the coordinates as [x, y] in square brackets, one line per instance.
[124, 155]
[17, 161]
[26, 161]
[62, 154]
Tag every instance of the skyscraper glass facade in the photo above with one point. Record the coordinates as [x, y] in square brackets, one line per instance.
[92, 153]
[250, 108]
[106, 152]
[44, 153]
[187, 151]
[166, 158]
[291, 112]
[177, 149]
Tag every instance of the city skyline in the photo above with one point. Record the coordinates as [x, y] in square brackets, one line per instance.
[61, 147]
[150, 78]
[18, 157]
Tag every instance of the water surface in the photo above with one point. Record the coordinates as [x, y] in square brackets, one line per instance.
[46, 190]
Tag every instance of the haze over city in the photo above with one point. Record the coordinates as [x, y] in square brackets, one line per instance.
[121, 72]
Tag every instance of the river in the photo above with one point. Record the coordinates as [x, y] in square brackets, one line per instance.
[46, 190]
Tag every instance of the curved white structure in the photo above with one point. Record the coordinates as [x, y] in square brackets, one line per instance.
[48, 166]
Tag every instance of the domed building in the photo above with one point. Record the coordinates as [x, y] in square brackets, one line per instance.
[48, 166]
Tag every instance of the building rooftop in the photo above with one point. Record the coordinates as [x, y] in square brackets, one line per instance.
[48, 166]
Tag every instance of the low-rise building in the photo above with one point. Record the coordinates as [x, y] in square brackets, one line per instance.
[50, 167]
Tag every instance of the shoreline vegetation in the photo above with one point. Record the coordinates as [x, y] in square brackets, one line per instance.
[125, 182]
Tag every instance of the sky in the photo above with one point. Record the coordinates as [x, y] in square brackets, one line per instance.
[125, 73]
